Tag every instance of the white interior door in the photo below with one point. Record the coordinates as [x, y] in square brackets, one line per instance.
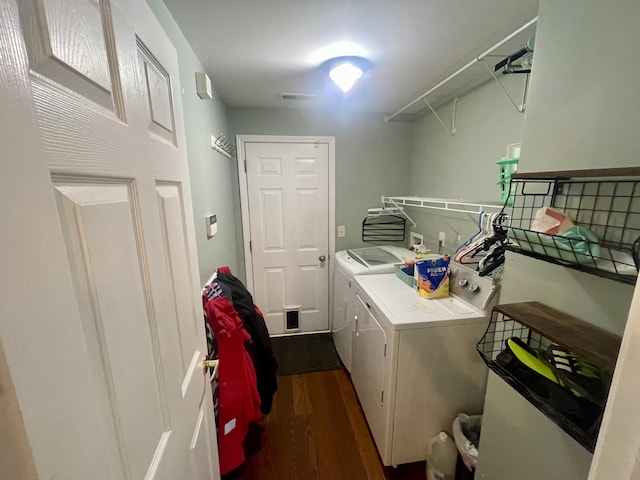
[100, 321]
[288, 200]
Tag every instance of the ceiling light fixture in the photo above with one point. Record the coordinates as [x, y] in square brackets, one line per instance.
[346, 71]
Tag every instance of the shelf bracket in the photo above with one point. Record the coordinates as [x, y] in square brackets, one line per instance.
[452, 130]
[523, 106]
[400, 209]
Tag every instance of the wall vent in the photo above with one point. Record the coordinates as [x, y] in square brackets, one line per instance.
[297, 96]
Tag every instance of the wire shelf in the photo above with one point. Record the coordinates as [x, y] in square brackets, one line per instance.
[608, 208]
[578, 417]
[383, 228]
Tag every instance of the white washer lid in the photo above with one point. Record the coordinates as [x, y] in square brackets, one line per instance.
[405, 309]
[372, 256]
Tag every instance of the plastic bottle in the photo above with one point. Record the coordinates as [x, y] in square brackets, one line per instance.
[441, 457]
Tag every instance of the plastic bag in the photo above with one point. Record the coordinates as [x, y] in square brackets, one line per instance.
[580, 241]
[550, 221]
[466, 435]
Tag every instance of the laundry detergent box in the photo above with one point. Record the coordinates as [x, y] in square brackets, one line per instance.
[432, 276]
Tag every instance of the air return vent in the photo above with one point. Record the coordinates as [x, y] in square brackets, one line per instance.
[297, 96]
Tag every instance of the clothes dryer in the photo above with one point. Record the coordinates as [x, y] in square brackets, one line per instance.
[349, 263]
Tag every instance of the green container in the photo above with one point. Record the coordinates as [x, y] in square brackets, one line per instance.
[405, 274]
[507, 166]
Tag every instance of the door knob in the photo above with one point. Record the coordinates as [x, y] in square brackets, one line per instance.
[209, 364]
[322, 258]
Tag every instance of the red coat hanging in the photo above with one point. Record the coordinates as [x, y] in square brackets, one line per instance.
[239, 401]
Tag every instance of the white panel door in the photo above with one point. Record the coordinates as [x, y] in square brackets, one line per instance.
[100, 319]
[288, 198]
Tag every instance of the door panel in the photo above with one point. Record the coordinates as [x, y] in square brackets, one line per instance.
[103, 222]
[172, 220]
[306, 212]
[71, 43]
[157, 88]
[102, 328]
[272, 216]
[288, 204]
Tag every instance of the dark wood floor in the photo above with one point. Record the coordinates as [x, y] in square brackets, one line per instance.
[317, 430]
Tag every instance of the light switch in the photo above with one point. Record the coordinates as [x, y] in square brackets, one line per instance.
[342, 230]
[211, 225]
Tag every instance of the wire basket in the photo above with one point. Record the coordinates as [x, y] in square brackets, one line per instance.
[582, 422]
[383, 228]
[609, 210]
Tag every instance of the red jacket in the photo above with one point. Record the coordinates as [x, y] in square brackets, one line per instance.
[239, 401]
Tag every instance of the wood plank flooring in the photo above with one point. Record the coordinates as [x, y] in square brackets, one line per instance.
[316, 430]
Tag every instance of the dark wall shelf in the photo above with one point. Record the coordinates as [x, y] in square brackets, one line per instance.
[540, 326]
[590, 342]
[604, 204]
[592, 173]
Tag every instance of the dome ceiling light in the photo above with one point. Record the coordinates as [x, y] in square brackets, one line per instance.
[346, 71]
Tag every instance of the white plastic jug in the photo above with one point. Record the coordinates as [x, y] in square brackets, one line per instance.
[441, 457]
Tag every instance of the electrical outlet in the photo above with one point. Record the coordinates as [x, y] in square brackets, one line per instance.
[342, 231]
[415, 239]
[441, 237]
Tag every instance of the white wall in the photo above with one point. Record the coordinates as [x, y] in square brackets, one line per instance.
[372, 157]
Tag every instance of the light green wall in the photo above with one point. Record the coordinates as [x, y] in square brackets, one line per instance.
[372, 157]
[508, 421]
[585, 107]
[578, 116]
[214, 178]
[463, 166]
[583, 113]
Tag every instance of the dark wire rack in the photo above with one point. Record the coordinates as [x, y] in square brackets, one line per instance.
[607, 206]
[383, 228]
[582, 419]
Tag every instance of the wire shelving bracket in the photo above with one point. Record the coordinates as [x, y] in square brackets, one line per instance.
[452, 130]
[480, 58]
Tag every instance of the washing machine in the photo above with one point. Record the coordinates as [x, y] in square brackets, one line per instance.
[349, 263]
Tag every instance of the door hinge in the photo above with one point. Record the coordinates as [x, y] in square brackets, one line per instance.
[250, 246]
[245, 166]
[385, 350]
[382, 397]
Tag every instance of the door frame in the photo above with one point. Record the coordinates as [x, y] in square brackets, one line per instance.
[241, 141]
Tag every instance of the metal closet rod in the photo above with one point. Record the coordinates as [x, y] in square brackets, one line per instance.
[462, 69]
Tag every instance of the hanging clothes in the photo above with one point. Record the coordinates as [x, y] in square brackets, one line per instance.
[259, 346]
[239, 401]
[212, 348]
